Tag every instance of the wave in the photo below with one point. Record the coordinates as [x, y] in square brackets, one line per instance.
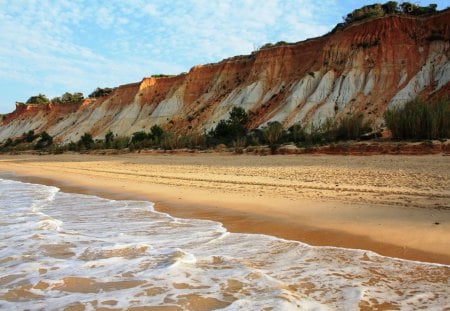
[68, 250]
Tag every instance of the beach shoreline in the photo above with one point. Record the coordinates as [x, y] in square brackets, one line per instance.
[245, 197]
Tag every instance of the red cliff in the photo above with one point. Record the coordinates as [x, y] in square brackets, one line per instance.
[361, 69]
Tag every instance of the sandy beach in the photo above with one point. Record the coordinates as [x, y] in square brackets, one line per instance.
[397, 206]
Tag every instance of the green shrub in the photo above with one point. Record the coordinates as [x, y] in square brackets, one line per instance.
[99, 92]
[255, 137]
[193, 141]
[69, 98]
[142, 139]
[156, 132]
[121, 142]
[139, 137]
[365, 12]
[8, 142]
[109, 139]
[351, 127]
[272, 134]
[413, 9]
[86, 141]
[239, 145]
[228, 130]
[29, 136]
[390, 7]
[45, 141]
[169, 141]
[54, 149]
[72, 146]
[296, 133]
[419, 119]
[38, 99]
[161, 75]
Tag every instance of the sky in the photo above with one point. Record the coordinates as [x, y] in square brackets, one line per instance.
[57, 46]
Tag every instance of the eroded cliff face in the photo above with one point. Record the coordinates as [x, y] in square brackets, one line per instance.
[362, 69]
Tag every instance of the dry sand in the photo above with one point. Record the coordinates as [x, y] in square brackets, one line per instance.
[395, 205]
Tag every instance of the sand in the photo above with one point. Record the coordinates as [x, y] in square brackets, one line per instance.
[397, 206]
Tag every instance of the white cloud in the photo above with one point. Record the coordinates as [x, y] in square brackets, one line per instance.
[78, 45]
[104, 18]
[150, 9]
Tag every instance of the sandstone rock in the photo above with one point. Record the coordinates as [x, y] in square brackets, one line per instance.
[364, 68]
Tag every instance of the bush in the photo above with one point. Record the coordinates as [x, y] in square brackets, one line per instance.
[139, 137]
[239, 145]
[352, 127]
[109, 138]
[296, 133]
[86, 141]
[255, 137]
[228, 130]
[45, 141]
[38, 99]
[55, 149]
[156, 132]
[29, 136]
[169, 141]
[419, 119]
[72, 146]
[192, 141]
[390, 7]
[99, 92]
[121, 142]
[272, 134]
[7, 143]
[413, 9]
[142, 139]
[69, 98]
[161, 75]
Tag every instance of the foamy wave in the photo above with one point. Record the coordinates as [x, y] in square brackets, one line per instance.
[127, 251]
[79, 251]
[49, 223]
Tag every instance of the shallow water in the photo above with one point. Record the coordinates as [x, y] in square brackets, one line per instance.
[79, 252]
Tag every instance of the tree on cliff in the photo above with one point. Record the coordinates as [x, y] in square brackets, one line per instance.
[69, 98]
[390, 7]
[367, 11]
[413, 9]
[99, 92]
[38, 99]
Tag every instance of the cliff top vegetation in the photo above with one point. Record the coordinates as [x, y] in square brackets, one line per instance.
[373, 11]
[388, 8]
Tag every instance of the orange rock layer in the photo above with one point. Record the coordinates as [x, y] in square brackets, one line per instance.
[363, 69]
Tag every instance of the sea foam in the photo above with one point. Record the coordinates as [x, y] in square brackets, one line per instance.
[63, 250]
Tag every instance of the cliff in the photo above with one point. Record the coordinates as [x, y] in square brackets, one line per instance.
[363, 69]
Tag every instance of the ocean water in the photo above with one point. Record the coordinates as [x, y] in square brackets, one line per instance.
[78, 252]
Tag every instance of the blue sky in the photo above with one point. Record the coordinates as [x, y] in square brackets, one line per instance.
[54, 46]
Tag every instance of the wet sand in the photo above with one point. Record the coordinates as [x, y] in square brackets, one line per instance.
[397, 206]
